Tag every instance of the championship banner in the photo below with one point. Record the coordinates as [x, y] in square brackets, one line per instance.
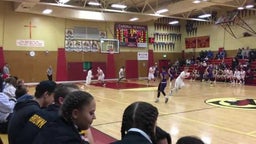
[82, 45]
[82, 39]
[190, 42]
[30, 43]
[197, 42]
[203, 42]
[131, 35]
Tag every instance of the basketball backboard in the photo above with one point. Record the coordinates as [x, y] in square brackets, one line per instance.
[109, 45]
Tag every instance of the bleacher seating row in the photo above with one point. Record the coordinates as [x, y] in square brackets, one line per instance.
[228, 61]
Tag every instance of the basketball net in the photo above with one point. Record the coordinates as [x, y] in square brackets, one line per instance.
[111, 51]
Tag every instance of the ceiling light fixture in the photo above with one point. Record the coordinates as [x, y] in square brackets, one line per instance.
[134, 19]
[63, 1]
[120, 6]
[196, 1]
[240, 8]
[205, 16]
[92, 3]
[162, 11]
[249, 6]
[47, 11]
[198, 19]
[173, 22]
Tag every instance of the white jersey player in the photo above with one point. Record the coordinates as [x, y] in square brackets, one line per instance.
[179, 83]
[151, 72]
[89, 76]
[101, 76]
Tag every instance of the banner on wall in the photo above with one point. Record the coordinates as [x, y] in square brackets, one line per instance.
[142, 55]
[190, 42]
[30, 43]
[83, 39]
[203, 41]
[197, 42]
[82, 45]
[131, 35]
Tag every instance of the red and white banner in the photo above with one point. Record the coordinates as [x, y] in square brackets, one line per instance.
[30, 43]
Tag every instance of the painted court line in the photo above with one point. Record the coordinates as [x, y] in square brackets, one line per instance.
[100, 124]
[141, 89]
[195, 110]
[251, 133]
[216, 126]
[113, 100]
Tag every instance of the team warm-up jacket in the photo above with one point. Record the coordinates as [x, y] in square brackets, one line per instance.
[59, 132]
[23, 111]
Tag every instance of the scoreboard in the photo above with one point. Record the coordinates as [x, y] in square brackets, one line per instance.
[131, 35]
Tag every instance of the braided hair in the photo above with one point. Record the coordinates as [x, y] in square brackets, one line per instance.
[140, 115]
[189, 140]
[74, 100]
[161, 134]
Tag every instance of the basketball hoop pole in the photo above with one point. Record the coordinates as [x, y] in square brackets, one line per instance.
[237, 20]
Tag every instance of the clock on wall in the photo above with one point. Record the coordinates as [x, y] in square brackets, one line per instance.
[32, 53]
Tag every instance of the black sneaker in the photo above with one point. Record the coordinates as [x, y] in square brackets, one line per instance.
[166, 99]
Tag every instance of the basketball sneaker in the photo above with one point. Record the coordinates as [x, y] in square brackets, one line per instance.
[166, 99]
[170, 94]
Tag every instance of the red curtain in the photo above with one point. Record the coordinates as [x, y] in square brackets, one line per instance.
[61, 73]
[1, 58]
[131, 67]
[110, 69]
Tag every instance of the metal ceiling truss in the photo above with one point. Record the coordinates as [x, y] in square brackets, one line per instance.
[139, 7]
[238, 22]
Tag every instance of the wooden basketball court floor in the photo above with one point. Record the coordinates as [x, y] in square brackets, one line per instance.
[186, 113]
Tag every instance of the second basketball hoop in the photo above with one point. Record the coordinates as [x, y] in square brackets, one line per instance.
[110, 46]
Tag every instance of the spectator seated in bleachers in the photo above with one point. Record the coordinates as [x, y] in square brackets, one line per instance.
[247, 51]
[221, 54]
[210, 54]
[188, 62]
[239, 53]
[252, 55]
[249, 76]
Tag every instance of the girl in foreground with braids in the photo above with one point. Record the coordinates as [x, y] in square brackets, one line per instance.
[138, 124]
[77, 113]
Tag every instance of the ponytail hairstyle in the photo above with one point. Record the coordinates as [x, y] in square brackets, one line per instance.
[140, 115]
[161, 134]
[189, 140]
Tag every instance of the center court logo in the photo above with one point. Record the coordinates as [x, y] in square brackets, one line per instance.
[235, 103]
